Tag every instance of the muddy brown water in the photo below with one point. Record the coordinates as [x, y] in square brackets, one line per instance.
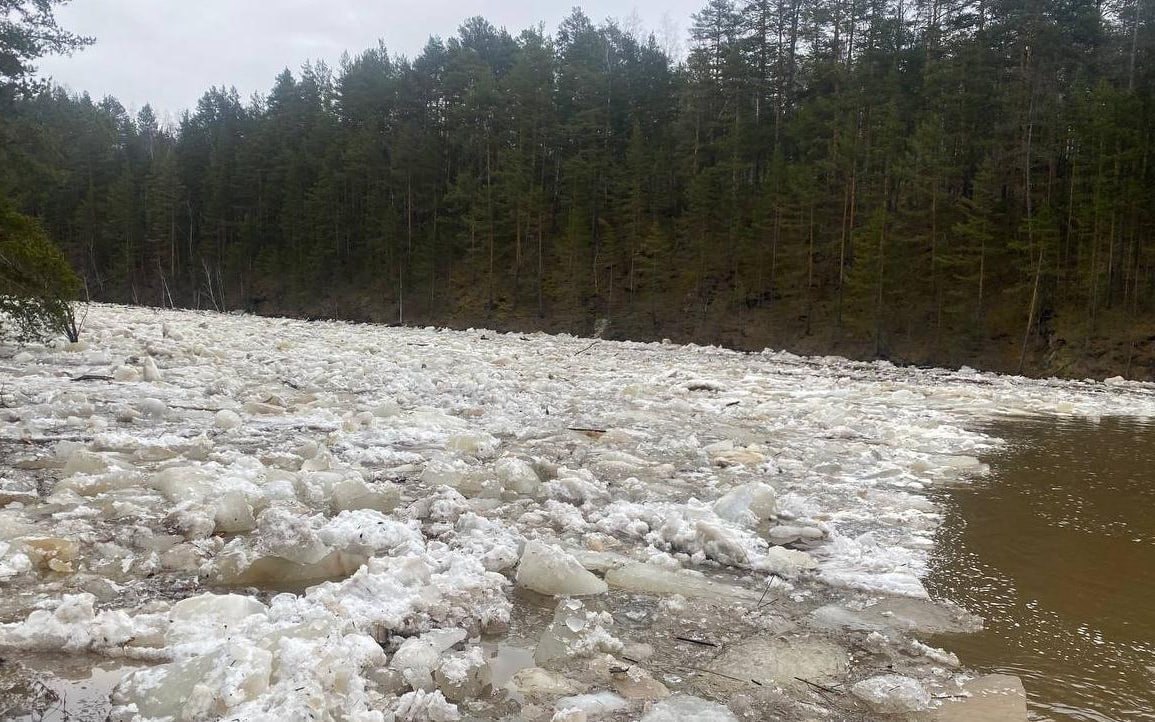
[58, 687]
[1056, 550]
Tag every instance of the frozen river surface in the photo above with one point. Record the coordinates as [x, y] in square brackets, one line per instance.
[264, 519]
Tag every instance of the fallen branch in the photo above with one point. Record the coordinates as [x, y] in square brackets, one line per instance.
[93, 377]
[584, 430]
[716, 674]
[817, 686]
[769, 583]
[691, 640]
[587, 348]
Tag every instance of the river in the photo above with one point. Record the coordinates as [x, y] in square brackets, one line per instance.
[1056, 550]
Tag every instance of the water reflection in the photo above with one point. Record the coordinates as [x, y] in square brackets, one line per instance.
[58, 688]
[1056, 549]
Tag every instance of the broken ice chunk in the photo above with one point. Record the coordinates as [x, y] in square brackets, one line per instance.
[65, 627]
[786, 562]
[227, 419]
[576, 487]
[182, 483]
[778, 661]
[73, 625]
[681, 707]
[748, 505]
[595, 705]
[492, 542]
[261, 408]
[276, 573]
[82, 461]
[203, 687]
[150, 371]
[370, 532]
[281, 533]
[233, 514]
[735, 456]
[462, 675]
[421, 706]
[153, 408]
[547, 569]
[14, 565]
[126, 373]
[517, 476]
[388, 407]
[354, 493]
[941, 656]
[476, 444]
[990, 698]
[721, 544]
[651, 579]
[785, 534]
[575, 632]
[637, 683]
[201, 621]
[191, 521]
[52, 554]
[538, 682]
[892, 694]
[455, 473]
[419, 656]
[617, 465]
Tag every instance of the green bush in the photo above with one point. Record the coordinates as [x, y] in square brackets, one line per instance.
[37, 286]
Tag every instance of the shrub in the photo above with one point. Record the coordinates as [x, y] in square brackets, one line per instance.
[37, 286]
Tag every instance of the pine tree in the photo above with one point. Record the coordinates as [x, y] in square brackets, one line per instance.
[919, 179]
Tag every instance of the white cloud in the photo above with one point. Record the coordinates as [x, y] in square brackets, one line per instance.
[168, 53]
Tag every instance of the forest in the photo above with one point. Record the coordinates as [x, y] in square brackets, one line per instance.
[957, 182]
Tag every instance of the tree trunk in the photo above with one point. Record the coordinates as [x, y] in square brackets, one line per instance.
[1031, 312]
[1134, 46]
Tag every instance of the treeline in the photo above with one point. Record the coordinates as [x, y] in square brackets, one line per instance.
[930, 180]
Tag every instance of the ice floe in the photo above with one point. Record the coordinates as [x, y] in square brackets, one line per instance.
[320, 520]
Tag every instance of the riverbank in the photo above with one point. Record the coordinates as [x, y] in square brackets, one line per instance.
[1066, 344]
[487, 524]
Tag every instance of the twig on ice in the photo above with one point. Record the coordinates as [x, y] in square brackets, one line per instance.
[584, 430]
[587, 348]
[817, 686]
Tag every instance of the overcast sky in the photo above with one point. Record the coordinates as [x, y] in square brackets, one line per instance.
[168, 52]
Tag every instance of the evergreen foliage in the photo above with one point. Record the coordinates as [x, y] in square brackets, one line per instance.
[36, 283]
[916, 179]
[37, 286]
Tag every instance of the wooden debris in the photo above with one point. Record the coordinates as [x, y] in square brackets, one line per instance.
[585, 430]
